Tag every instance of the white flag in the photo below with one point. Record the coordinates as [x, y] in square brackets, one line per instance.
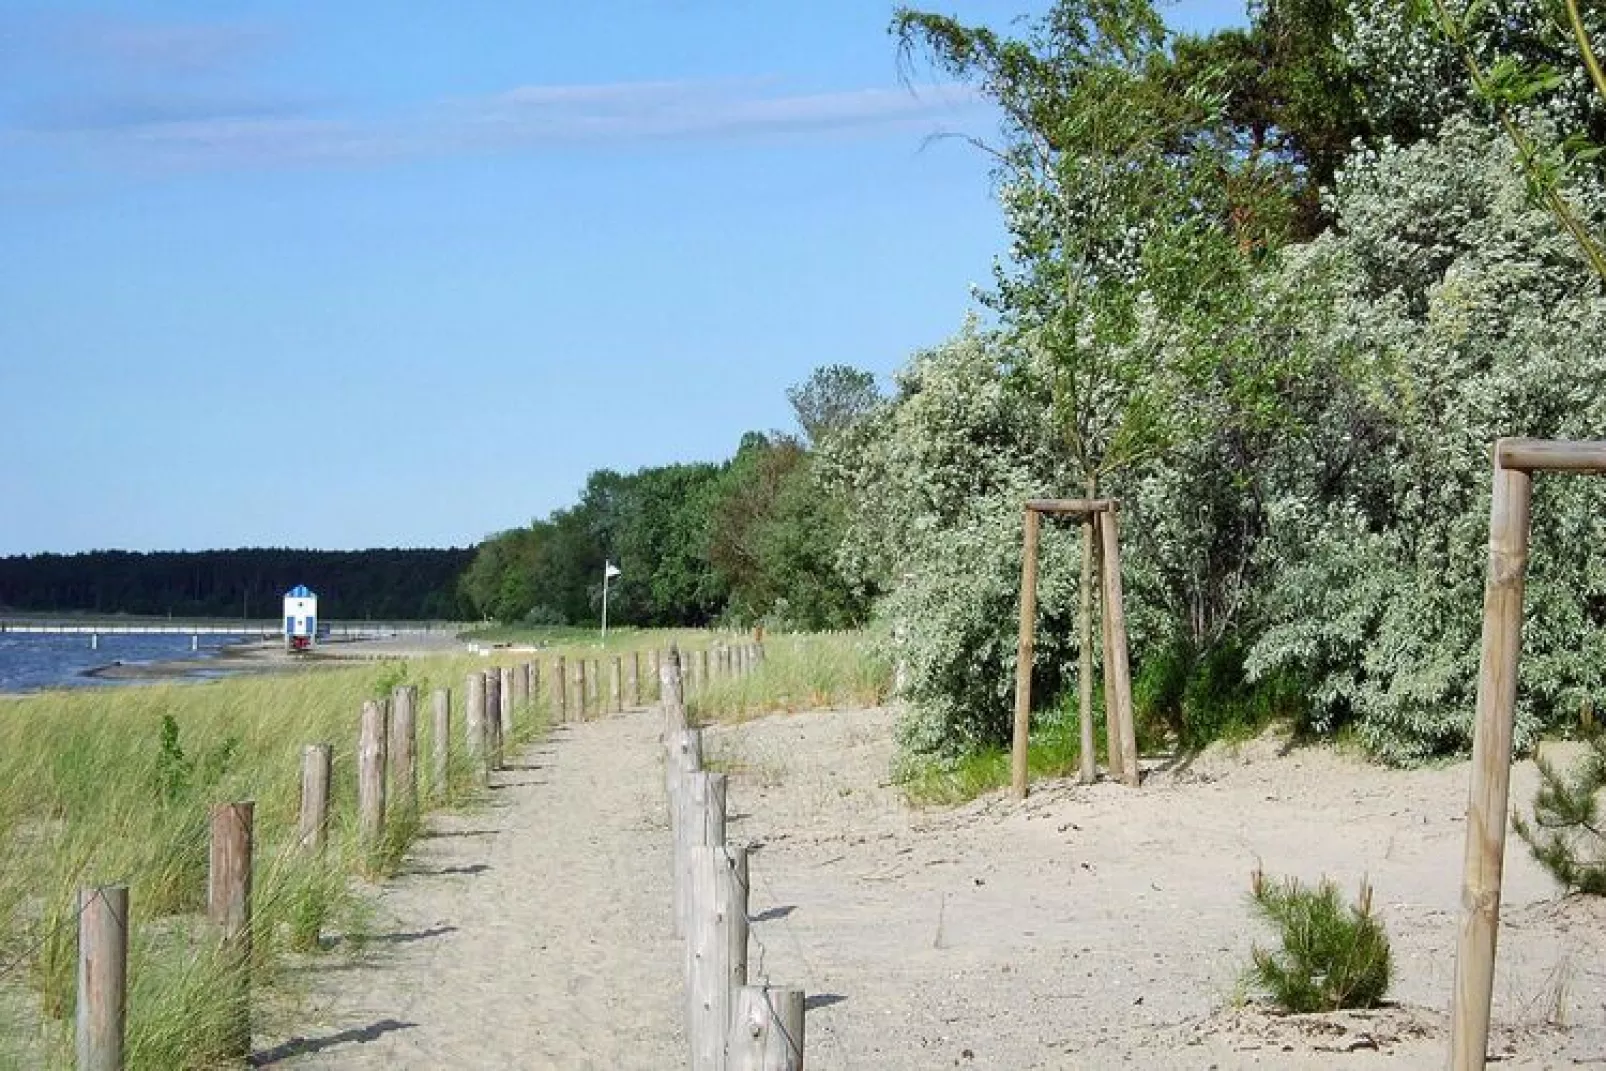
[610, 570]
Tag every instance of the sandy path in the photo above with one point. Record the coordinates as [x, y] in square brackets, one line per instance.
[534, 935]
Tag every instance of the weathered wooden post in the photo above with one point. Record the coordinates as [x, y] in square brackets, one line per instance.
[228, 905]
[635, 678]
[474, 722]
[493, 718]
[654, 661]
[684, 760]
[505, 727]
[1117, 670]
[317, 763]
[441, 768]
[580, 695]
[1509, 516]
[1025, 649]
[702, 824]
[403, 757]
[102, 1014]
[594, 687]
[1484, 863]
[702, 668]
[716, 949]
[371, 761]
[533, 688]
[521, 685]
[616, 684]
[766, 1030]
[669, 687]
[560, 689]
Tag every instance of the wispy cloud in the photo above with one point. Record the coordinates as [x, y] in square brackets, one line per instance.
[153, 48]
[228, 132]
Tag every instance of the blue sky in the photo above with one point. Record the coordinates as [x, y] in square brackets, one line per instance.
[364, 274]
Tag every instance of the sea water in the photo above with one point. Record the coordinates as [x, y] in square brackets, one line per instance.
[31, 661]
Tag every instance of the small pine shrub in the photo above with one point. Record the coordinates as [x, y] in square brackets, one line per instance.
[1565, 835]
[1333, 955]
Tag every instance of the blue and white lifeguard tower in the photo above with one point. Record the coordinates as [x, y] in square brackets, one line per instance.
[300, 618]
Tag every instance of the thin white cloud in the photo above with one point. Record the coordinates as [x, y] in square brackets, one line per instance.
[524, 118]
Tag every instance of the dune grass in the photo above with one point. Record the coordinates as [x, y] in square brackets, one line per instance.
[801, 671]
[113, 786]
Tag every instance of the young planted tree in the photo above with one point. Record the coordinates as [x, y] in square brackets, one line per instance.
[1120, 222]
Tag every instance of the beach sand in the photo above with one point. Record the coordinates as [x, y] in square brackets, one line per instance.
[1090, 927]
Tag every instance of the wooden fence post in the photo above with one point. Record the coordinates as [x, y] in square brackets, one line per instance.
[655, 662]
[702, 824]
[594, 684]
[560, 690]
[670, 689]
[533, 688]
[635, 678]
[1491, 767]
[317, 762]
[1025, 648]
[403, 755]
[1117, 670]
[493, 718]
[371, 761]
[580, 695]
[102, 977]
[766, 1030]
[441, 768]
[228, 904]
[474, 722]
[716, 949]
[505, 726]
[616, 684]
[521, 685]
[702, 668]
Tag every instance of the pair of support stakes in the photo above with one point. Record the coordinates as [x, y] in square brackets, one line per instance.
[1098, 515]
[1515, 462]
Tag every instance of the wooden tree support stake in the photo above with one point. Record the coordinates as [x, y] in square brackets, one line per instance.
[474, 722]
[1489, 797]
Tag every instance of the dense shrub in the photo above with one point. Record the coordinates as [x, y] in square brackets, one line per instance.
[1564, 834]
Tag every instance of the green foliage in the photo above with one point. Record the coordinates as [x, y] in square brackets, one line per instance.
[1565, 834]
[1331, 955]
[833, 400]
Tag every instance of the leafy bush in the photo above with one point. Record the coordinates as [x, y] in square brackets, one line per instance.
[1565, 836]
[1332, 955]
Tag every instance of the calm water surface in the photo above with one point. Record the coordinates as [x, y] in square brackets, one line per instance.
[31, 662]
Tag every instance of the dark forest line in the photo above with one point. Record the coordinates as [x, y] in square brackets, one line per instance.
[377, 584]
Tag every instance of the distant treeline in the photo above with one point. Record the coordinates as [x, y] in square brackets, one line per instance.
[358, 584]
[754, 538]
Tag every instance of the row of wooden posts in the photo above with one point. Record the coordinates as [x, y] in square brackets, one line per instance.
[731, 1025]
[387, 784]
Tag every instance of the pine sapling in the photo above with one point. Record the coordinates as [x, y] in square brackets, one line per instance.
[1333, 955]
[1565, 834]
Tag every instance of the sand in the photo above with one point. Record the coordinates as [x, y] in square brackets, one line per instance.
[1090, 927]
